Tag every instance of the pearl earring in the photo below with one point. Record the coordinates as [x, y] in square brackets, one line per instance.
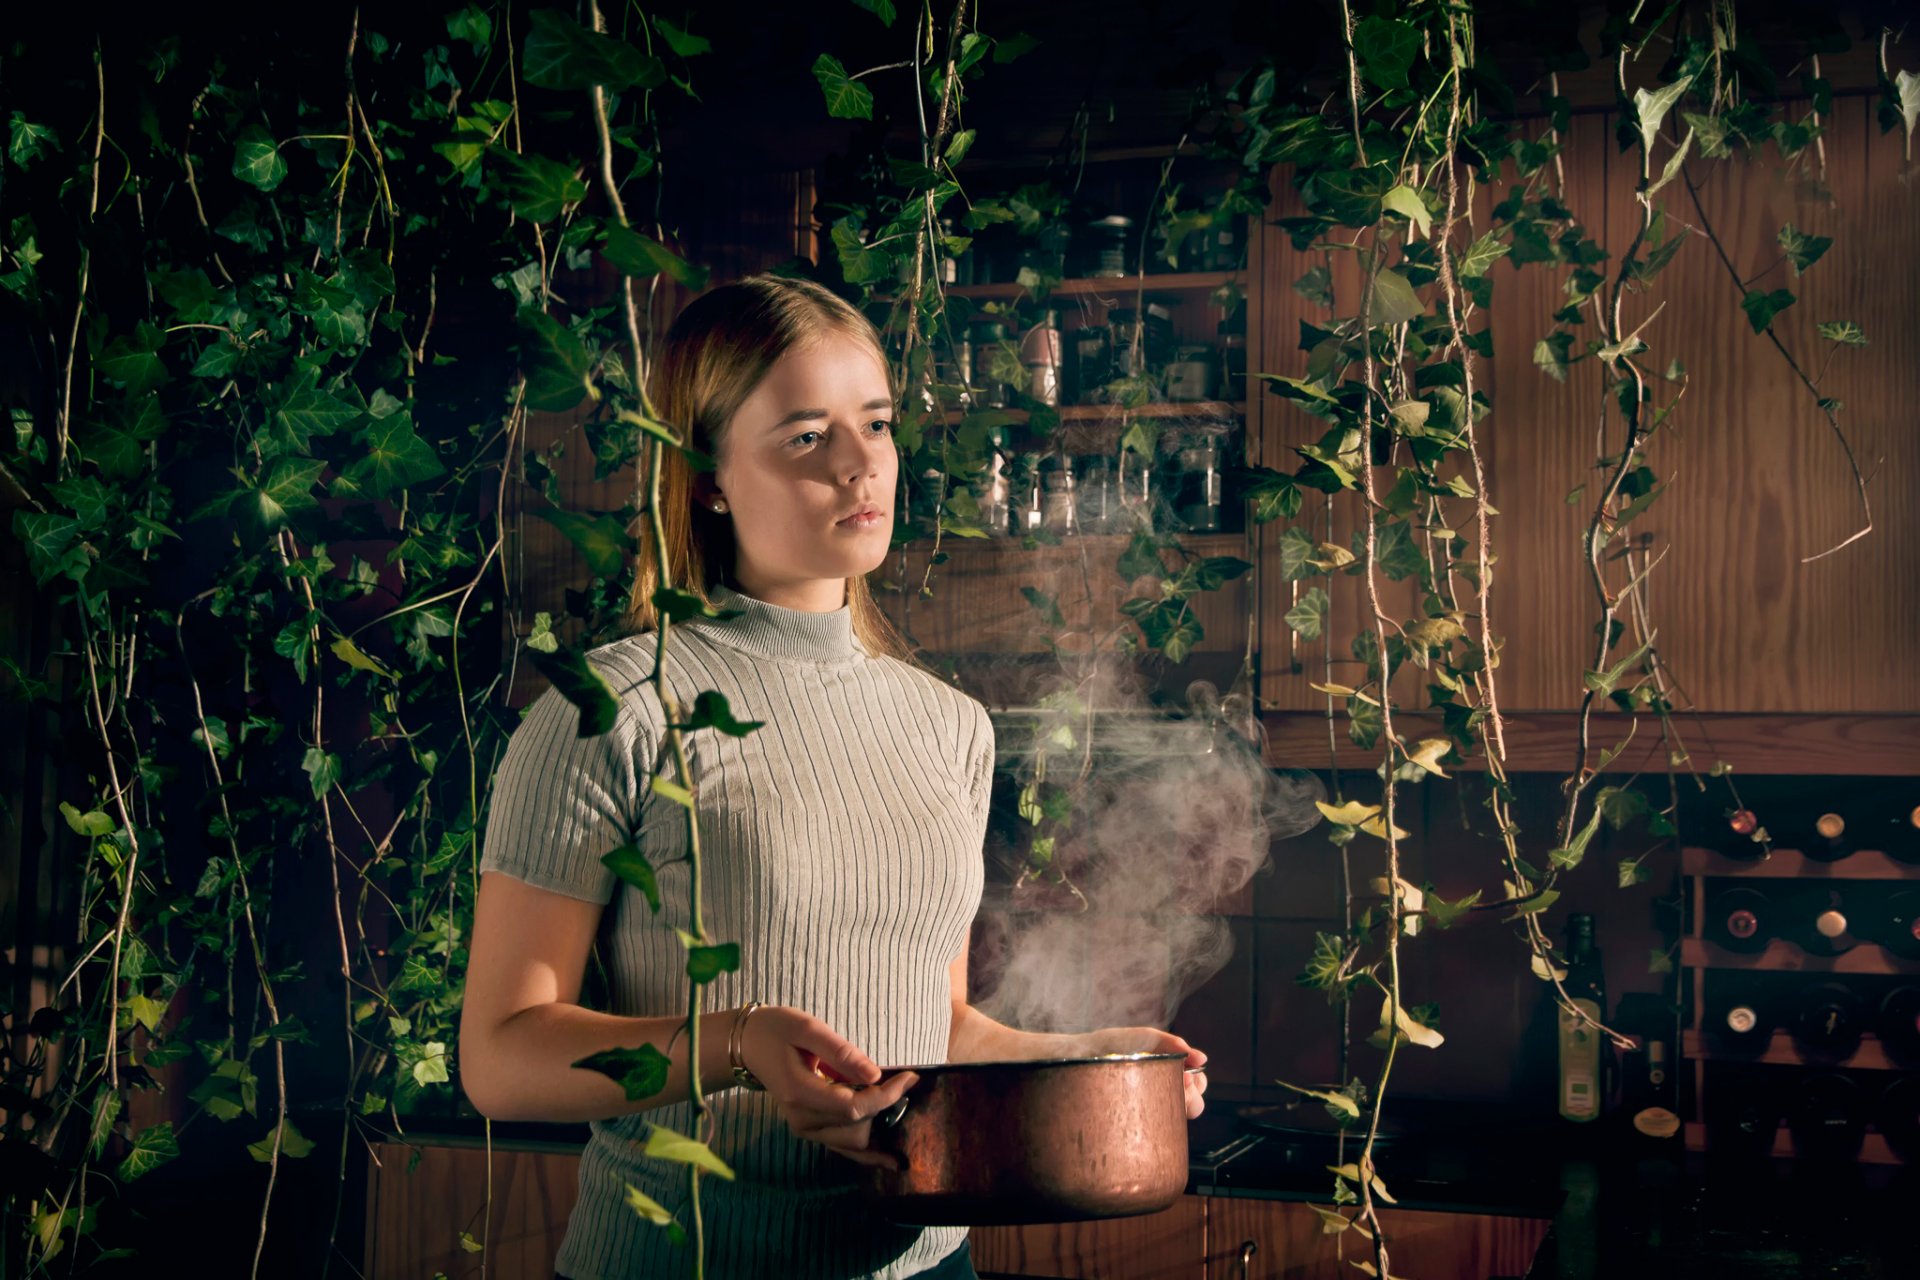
[720, 505]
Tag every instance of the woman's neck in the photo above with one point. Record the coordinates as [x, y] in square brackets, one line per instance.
[810, 595]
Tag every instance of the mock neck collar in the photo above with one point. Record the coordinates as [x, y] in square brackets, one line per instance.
[773, 631]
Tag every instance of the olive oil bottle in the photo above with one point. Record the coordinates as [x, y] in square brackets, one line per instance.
[1581, 1058]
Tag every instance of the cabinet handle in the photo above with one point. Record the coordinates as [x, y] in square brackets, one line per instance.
[1247, 1249]
[1293, 637]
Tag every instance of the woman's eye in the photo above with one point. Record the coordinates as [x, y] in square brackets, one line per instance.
[805, 437]
[881, 426]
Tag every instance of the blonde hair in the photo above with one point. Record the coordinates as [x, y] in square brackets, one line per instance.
[714, 355]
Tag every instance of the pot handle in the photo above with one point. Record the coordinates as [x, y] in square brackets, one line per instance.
[891, 1116]
[1247, 1249]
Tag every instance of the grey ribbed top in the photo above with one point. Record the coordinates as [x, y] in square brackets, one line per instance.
[840, 847]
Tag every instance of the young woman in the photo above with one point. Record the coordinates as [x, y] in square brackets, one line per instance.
[841, 843]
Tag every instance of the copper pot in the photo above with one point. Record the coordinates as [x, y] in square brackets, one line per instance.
[1053, 1140]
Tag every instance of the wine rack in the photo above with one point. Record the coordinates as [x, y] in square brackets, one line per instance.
[1704, 962]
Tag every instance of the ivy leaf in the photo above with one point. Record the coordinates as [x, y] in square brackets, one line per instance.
[1906, 88]
[1316, 286]
[1406, 1026]
[256, 159]
[106, 1109]
[27, 142]
[710, 711]
[647, 1207]
[1386, 48]
[1803, 250]
[1350, 814]
[959, 145]
[1309, 614]
[1603, 682]
[640, 1073]
[1295, 388]
[1298, 554]
[632, 866]
[1394, 301]
[562, 54]
[1444, 913]
[308, 412]
[634, 254]
[431, 1067]
[294, 1145]
[1046, 606]
[152, 1147]
[1845, 332]
[284, 498]
[582, 685]
[1364, 721]
[1650, 109]
[134, 361]
[704, 964]
[1338, 1102]
[396, 457]
[881, 9]
[667, 789]
[1762, 307]
[322, 769]
[664, 1144]
[555, 362]
[1141, 559]
[116, 441]
[92, 825]
[1406, 202]
[1481, 255]
[681, 41]
[847, 99]
[538, 188]
[679, 606]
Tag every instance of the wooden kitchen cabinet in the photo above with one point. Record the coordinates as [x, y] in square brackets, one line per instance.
[1158, 1246]
[1290, 1244]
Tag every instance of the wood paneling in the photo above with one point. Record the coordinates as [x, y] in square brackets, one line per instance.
[1290, 1244]
[1160, 1246]
[1759, 481]
[416, 1211]
[1548, 742]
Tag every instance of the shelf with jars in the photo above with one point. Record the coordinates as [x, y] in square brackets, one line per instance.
[1802, 960]
[1120, 286]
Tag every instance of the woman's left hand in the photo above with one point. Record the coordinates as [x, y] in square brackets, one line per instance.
[1151, 1040]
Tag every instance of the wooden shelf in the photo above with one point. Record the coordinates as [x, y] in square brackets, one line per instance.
[1874, 1148]
[1867, 745]
[1791, 864]
[1781, 1050]
[1205, 544]
[1117, 286]
[1102, 413]
[1783, 957]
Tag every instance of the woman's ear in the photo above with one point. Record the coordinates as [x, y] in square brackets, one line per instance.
[706, 491]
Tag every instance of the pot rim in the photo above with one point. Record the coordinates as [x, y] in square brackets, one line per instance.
[945, 1067]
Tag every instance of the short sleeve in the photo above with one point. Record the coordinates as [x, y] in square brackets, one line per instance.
[980, 769]
[560, 802]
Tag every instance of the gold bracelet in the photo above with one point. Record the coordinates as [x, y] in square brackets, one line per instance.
[741, 1076]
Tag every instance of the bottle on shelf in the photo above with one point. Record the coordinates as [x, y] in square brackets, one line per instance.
[1040, 353]
[1741, 919]
[1899, 928]
[1823, 925]
[1893, 824]
[1580, 1040]
[1648, 1092]
[1826, 1113]
[1742, 1110]
[1821, 836]
[1898, 1025]
[1829, 1022]
[1737, 1020]
[1897, 1116]
[1739, 834]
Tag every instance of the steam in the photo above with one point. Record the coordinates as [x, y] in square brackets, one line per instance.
[1175, 815]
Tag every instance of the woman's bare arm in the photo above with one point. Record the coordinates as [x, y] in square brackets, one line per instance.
[521, 1027]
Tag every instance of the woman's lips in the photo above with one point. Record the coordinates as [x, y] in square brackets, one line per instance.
[861, 520]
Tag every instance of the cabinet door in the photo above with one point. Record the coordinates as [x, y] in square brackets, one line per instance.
[1290, 1243]
[1158, 1246]
[416, 1212]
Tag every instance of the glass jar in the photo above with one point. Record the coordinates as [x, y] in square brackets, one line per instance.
[1194, 482]
[1059, 507]
[1023, 471]
[1106, 241]
[1193, 375]
[1099, 493]
[1137, 490]
[1225, 242]
[1092, 365]
[1231, 339]
[989, 352]
[1040, 353]
[1128, 352]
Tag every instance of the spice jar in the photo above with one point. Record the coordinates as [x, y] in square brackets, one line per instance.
[1193, 375]
[1134, 482]
[1231, 339]
[1099, 493]
[993, 488]
[1092, 365]
[1059, 511]
[1194, 481]
[990, 355]
[1106, 241]
[1024, 481]
[1040, 353]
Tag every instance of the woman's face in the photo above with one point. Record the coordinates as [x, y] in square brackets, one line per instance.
[808, 451]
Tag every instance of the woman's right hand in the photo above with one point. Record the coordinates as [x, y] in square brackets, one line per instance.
[827, 1090]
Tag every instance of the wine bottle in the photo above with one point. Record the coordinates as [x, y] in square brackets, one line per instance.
[1829, 1023]
[1899, 930]
[1580, 1039]
[1738, 834]
[1892, 819]
[1899, 1024]
[1740, 919]
[1738, 1022]
[1742, 1110]
[1822, 925]
[1897, 1116]
[1827, 1116]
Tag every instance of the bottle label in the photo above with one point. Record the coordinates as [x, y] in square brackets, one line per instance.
[1657, 1122]
[1580, 1063]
